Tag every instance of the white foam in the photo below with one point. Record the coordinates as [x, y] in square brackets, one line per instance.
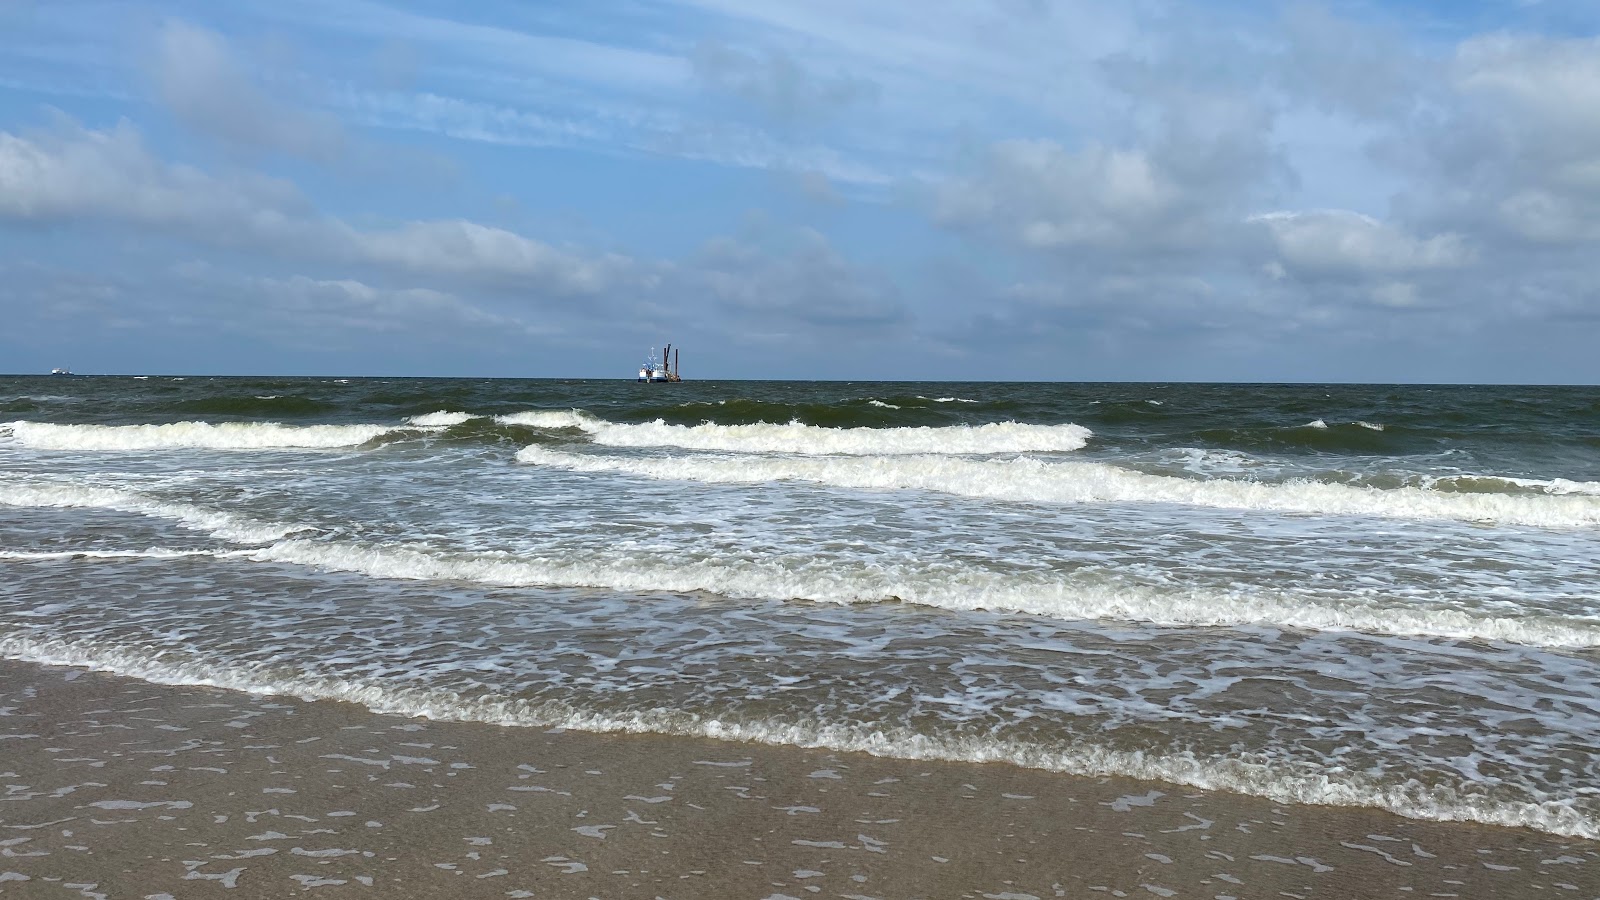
[1283, 781]
[882, 404]
[1315, 423]
[1046, 481]
[948, 586]
[442, 418]
[795, 437]
[219, 524]
[152, 553]
[1371, 426]
[192, 436]
[554, 418]
[1550, 486]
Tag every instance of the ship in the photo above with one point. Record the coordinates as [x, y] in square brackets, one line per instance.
[664, 371]
[60, 371]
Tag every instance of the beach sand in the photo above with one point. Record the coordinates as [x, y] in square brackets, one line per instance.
[119, 788]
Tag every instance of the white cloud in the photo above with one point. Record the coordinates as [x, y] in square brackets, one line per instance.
[1551, 85]
[1340, 242]
[1046, 197]
[77, 173]
[1513, 148]
[470, 250]
[72, 172]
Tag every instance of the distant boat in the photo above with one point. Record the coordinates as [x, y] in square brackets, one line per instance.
[664, 371]
[60, 372]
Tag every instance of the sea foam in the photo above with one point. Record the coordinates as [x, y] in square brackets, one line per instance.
[192, 436]
[1051, 481]
[1281, 780]
[796, 437]
[948, 586]
[223, 525]
[442, 418]
[152, 553]
[1052, 594]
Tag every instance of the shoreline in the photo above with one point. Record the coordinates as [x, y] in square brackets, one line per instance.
[133, 789]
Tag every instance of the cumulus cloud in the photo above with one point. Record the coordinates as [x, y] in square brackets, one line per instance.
[200, 77]
[1196, 154]
[78, 173]
[72, 172]
[1490, 153]
[1513, 148]
[1044, 196]
[1550, 85]
[1332, 242]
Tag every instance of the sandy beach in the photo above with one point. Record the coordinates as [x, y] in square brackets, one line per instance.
[119, 788]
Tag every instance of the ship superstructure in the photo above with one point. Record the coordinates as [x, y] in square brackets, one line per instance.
[665, 370]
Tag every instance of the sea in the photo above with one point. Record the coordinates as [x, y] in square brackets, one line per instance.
[1355, 595]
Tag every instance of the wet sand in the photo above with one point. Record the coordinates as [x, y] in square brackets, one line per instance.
[118, 788]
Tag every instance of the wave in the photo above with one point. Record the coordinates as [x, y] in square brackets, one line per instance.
[442, 417]
[879, 411]
[192, 436]
[226, 526]
[1505, 484]
[796, 437]
[1033, 480]
[950, 587]
[957, 588]
[152, 553]
[1318, 435]
[1283, 781]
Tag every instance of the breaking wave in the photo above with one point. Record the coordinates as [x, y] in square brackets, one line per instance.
[1059, 595]
[1033, 480]
[1055, 595]
[442, 417]
[1284, 781]
[223, 525]
[152, 553]
[192, 436]
[795, 437]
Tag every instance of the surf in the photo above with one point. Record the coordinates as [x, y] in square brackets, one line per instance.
[798, 437]
[1027, 480]
[1283, 780]
[192, 436]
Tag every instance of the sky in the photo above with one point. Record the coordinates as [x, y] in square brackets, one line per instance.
[937, 190]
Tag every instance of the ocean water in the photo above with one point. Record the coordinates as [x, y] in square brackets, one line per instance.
[1378, 596]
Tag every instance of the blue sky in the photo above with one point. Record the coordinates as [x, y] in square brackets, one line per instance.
[939, 190]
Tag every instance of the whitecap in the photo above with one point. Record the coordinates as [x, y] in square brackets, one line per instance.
[1065, 481]
[796, 437]
[192, 436]
[442, 418]
[951, 587]
[226, 526]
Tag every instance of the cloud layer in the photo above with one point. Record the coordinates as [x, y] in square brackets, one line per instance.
[982, 182]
